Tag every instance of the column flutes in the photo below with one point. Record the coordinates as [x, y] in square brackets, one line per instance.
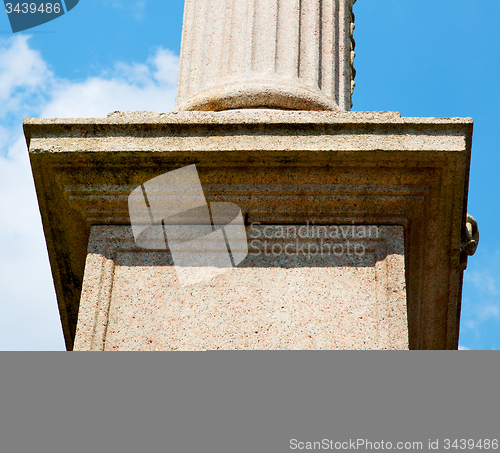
[284, 54]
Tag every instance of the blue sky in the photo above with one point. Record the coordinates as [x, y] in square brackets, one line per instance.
[421, 58]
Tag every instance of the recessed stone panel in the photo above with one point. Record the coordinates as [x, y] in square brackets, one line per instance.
[300, 287]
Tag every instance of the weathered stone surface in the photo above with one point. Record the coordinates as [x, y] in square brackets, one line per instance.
[279, 168]
[335, 288]
[287, 54]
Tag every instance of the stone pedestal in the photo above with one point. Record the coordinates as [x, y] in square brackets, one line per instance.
[281, 169]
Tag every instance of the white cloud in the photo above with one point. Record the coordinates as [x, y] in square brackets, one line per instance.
[483, 281]
[144, 86]
[20, 68]
[166, 64]
[97, 97]
[481, 300]
[28, 309]
[136, 8]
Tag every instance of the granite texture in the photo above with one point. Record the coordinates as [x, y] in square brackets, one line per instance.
[301, 287]
[279, 168]
[287, 54]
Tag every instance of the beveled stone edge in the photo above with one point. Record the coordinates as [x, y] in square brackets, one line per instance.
[251, 116]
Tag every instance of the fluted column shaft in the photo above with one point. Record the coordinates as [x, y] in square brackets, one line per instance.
[288, 54]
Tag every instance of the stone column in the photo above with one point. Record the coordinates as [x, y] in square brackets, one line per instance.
[282, 54]
[353, 226]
